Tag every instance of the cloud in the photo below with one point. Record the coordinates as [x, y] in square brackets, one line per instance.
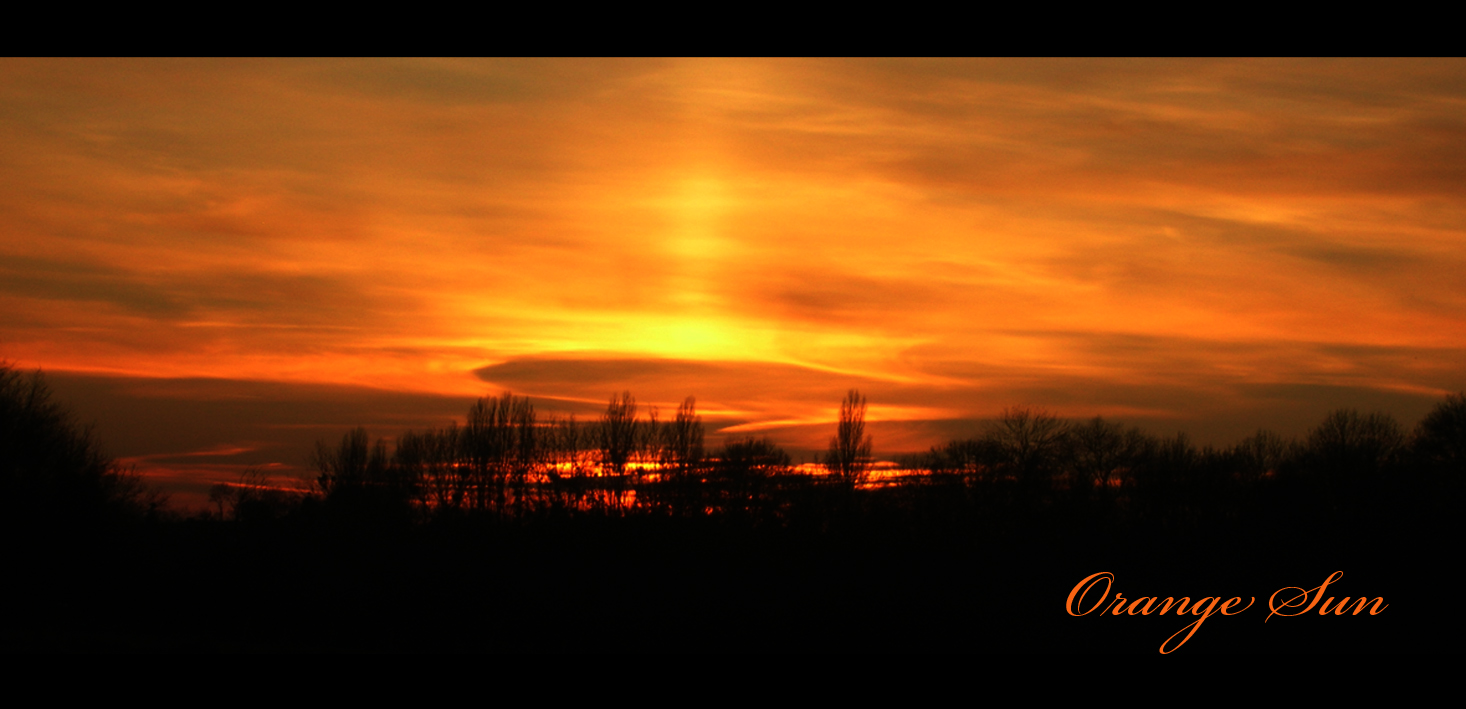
[1147, 238]
[668, 381]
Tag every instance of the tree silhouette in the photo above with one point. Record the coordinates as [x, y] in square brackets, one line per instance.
[431, 461]
[1440, 438]
[500, 445]
[650, 440]
[618, 432]
[684, 436]
[745, 471]
[1352, 446]
[969, 459]
[1030, 442]
[849, 457]
[348, 471]
[1165, 472]
[574, 445]
[1100, 452]
[1258, 455]
[51, 467]
[752, 456]
[254, 497]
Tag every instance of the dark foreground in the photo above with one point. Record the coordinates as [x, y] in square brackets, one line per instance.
[889, 573]
[470, 540]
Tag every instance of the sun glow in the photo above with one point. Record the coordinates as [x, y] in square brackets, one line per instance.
[950, 237]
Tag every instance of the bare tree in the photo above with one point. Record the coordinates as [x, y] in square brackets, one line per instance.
[1030, 442]
[352, 466]
[446, 481]
[1349, 444]
[500, 444]
[684, 436]
[849, 457]
[426, 465]
[256, 496]
[618, 432]
[221, 496]
[1440, 438]
[574, 445]
[1258, 455]
[746, 471]
[1100, 452]
[649, 444]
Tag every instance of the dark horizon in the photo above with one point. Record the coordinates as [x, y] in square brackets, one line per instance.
[187, 435]
[259, 275]
[973, 549]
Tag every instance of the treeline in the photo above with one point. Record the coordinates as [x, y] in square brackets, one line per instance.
[510, 530]
[506, 462]
[1349, 463]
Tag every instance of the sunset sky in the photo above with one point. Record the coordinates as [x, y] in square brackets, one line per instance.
[220, 261]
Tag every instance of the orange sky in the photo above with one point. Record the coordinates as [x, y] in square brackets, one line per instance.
[1191, 244]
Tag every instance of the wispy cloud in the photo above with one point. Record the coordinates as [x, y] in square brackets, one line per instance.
[1142, 236]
